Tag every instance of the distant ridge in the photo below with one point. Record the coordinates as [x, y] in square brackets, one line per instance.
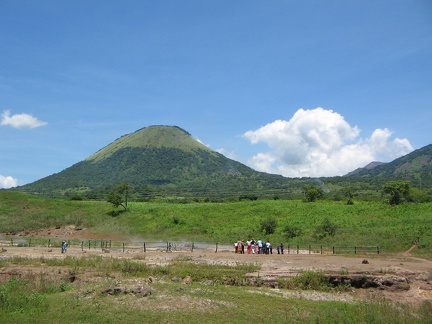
[373, 165]
[415, 165]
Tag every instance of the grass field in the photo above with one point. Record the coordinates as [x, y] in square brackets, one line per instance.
[392, 228]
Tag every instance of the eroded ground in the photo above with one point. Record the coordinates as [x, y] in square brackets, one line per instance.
[401, 278]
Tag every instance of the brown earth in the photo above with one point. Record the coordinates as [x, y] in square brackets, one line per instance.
[397, 277]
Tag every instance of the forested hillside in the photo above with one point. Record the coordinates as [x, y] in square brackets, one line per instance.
[166, 161]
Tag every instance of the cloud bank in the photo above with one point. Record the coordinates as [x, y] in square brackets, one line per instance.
[7, 182]
[319, 143]
[20, 120]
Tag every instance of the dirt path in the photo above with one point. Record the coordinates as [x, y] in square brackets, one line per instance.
[401, 278]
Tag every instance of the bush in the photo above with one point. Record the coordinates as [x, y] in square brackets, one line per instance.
[268, 226]
[326, 228]
[290, 231]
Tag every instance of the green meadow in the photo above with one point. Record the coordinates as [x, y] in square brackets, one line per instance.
[365, 223]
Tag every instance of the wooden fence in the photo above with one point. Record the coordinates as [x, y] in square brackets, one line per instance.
[109, 245]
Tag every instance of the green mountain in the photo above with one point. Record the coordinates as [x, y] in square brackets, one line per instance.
[166, 161]
[415, 166]
[161, 161]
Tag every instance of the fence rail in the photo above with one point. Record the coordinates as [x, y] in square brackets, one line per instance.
[105, 245]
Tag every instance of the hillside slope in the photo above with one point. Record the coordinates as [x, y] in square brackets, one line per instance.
[166, 161]
[158, 161]
[410, 165]
[415, 166]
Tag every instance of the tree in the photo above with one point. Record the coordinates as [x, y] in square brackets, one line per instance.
[325, 228]
[268, 226]
[398, 190]
[291, 231]
[312, 193]
[119, 196]
[350, 196]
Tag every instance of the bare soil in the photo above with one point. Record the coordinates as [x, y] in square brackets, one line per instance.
[401, 277]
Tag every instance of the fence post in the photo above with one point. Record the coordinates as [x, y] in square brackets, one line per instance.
[192, 247]
[309, 249]
[355, 249]
[378, 251]
[11, 242]
[89, 244]
[289, 248]
[49, 243]
[82, 245]
[297, 249]
[321, 248]
[123, 247]
[216, 247]
[333, 250]
[145, 248]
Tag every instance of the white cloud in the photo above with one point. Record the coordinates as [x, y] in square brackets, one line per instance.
[7, 182]
[319, 142]
[20, 120]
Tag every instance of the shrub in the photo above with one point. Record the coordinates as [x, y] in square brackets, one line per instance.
[268, 226]
[290, 231]
[325, 228]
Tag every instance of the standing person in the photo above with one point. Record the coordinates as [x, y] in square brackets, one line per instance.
[240, 247]
[63, 247]
[278, 249]
[249, 246]
[253, 244]
[260, 246]
[281, 248]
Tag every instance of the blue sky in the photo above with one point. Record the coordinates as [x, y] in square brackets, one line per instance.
[299, 88]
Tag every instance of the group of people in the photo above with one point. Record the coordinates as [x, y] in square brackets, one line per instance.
[257, 247]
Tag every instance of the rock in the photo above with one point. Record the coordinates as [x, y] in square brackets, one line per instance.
[187, 280]
[137, 291]
[142, 291]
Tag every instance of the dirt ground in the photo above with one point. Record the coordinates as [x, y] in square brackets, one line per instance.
[403, 277]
